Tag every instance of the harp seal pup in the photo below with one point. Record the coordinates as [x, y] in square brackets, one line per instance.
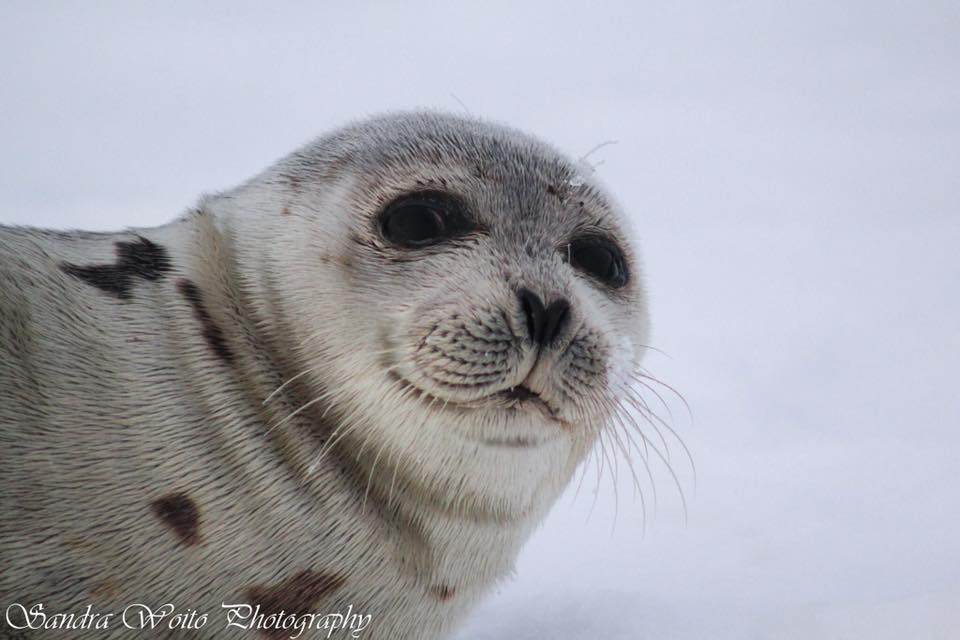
[359, 379]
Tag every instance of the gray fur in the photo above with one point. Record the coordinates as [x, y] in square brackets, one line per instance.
[151, 452]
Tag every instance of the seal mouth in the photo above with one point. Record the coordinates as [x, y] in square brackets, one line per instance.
[516, 398]
[522, 396]
[520, 393]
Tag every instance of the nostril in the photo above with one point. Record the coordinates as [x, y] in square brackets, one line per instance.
[533, 312]
[544, 324]
[556, 317]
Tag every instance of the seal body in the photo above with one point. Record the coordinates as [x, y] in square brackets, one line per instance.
[353, 384]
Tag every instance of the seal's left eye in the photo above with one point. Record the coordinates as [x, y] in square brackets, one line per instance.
[601, 259]
[421, 219]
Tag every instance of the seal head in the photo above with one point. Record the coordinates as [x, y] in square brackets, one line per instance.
[467, 302]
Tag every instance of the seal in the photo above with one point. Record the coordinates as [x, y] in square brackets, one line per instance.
[356, 382]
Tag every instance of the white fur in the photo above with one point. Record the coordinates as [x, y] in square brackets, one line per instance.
[419, 505]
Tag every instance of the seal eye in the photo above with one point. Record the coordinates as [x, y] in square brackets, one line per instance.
[421, 219]
[600, 259]
[413, 225]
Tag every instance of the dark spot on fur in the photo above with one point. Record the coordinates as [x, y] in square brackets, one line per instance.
[297, 595]
[294, 182]
[211, 331]
[442, 592]
[285, 211]
[103, 589]
[180, 513]
[141, 259]
[554, 191]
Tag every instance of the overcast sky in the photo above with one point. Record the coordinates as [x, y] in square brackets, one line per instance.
[793, 176]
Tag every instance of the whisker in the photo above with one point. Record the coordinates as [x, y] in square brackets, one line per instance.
[295, 413]
[638, 490]
[599, 469]
[640, 405]
[402, 454]
[404, 394]
[284, 385]
[640, 379]
[645, 374]
[676, 436]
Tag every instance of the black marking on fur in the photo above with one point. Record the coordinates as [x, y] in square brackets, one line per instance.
[297, 595]
[180, 513]
[141, 259]
[442, 592]
[557, 193]
[211, 330]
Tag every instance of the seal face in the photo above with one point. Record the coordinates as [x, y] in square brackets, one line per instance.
[358, 380]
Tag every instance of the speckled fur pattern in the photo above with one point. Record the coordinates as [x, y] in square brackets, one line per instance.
[265, 402]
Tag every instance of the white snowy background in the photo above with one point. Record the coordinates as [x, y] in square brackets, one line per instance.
[793, 175]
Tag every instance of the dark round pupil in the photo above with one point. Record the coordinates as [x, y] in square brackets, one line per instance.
[597, 260]
[600, 261]
[413, 224]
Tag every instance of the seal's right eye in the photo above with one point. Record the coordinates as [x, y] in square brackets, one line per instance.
[423, 218]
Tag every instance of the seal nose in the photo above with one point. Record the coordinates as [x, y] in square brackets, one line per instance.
[544, 323]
